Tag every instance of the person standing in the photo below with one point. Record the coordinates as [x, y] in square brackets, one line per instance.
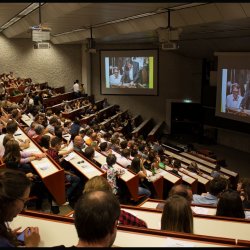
[76, 89]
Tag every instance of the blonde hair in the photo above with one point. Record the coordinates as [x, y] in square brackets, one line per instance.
[97, 183]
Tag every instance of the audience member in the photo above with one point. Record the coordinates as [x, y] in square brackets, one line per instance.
[96, 219]
[217, 185]
[230, 205]
[177, 215]
[138, 168]
[14, 192]
[101, 184]
[112, 173]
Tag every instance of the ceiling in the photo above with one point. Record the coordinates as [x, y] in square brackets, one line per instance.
[206, 27]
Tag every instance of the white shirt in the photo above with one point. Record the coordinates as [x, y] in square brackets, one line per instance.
[115, 81]
[231, 103]
[1, 145]
[31, 101]
[76, 87]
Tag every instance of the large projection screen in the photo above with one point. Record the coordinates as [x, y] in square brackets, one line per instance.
[233, 88]
[129, 72]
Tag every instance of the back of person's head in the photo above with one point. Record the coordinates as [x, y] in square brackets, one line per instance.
[124, 144]
[97, 183]
[125, 152]
[55, 141]
[14, 113]
[11, 152]
[134, 152]
[45, 141]
[135, 165]
[177, 163]
[217, 167]
[77, 120]
[11, 127]
[96, 215]
[39, 129]
[230, 205]
[111, 159]
[58, 131]
[89, 152]
[53, 120]
[193, 167]
[217, 185]
[6, 138]
[103, 146]
[182, 190]
[177, 215]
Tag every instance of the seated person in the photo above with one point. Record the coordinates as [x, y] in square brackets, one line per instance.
[179, 189]
[234, 99]
[177, 215]
[96, 219]
[115, 79]
[216, 172]
[217, 185]
[79, 144]
[230, 205]
[14, 192]
[99, 183]
[176, 166]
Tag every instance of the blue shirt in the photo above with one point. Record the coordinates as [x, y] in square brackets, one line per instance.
[208, 199]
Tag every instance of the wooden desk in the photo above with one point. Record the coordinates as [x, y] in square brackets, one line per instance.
[57, 99]
[143, 129]
[87, 168]
[52, 174]
[153, 134]
[57, 230]
[131, 180]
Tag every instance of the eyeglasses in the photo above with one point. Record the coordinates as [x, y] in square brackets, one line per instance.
[23, 200]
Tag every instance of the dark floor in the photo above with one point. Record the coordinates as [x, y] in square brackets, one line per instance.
[236, 160]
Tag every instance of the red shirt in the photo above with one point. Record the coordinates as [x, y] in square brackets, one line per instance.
[130, 220]
[54, 154]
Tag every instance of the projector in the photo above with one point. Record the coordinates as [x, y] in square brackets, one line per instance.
[41, 45]
[169, 46]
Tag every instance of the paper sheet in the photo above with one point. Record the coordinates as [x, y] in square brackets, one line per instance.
[70, 156]
[200, 210]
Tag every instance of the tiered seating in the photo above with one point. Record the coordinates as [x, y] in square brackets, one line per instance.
[53, 229]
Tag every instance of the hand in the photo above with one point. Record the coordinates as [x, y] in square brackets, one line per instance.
[39, 156]
[30, 176]
[31, 237]
[27, 140]
[15, 231]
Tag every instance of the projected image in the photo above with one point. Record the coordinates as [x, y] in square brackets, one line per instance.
[235, 94]
[129, 72]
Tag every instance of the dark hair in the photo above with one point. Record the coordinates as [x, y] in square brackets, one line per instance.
[95, 215]
[45, 141]
[217, 185]
[135, 165]
[11, 127]
[182, 190]
[230, 205]
[13, 184]
[55, 141]
[177, 215]
[125, 152]
[89, 152]
[124, 144]
[39, 129]
[111, 160]
[53, 120]
[177, 163]
[134, 152]
[103, 146]
[12, 153]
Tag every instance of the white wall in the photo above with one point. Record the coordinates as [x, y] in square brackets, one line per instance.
[59, 66]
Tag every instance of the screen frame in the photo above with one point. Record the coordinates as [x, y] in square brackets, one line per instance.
[225, 60]
[129, 53]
